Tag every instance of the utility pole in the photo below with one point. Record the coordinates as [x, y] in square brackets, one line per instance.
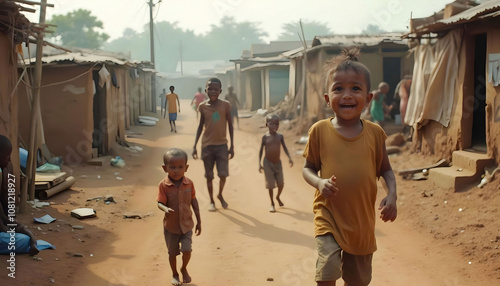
[152, 55]
[28, 190]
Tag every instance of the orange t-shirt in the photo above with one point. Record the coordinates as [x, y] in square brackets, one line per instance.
[181, 220]
[355, 162]
[215, 122]
[172, 104]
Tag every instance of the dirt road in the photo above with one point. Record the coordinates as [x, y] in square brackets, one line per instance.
[243, 245]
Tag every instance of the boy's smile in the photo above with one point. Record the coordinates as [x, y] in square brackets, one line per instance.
[348, 94]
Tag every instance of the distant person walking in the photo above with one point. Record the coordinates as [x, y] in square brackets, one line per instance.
[214, 116]
[172, 108]
[198, 98]
[233, 99]
[163, 98]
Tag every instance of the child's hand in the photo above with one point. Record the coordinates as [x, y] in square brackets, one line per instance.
[389, 209]
[291, 163]
[231, 152]
[197, 230]
[195, 153]
[328, 187]
[168, 210]
[260, 168]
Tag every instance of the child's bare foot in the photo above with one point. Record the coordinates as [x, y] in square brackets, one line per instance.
[280, 202]
[222, 201]
[185, 276]
[272, 209]
[176, 281]
[211, 208]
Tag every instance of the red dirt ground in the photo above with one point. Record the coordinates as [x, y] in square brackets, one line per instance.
[431, 242]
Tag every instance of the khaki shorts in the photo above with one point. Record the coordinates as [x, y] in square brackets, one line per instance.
[333, 263]
[274, 174]
[215, 154]
[174, 240]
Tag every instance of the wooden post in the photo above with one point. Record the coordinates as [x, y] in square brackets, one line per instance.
[28, 190]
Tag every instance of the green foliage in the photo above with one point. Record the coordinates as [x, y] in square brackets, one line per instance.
[79, 29]
[311, 29]
[372, 29]
[223, 42]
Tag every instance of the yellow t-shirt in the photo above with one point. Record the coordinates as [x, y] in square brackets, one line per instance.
[172, 104]
[355, 162]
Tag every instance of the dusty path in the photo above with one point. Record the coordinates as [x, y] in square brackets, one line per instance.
[245, 244]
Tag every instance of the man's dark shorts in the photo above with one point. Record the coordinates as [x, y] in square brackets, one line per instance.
[215, 154]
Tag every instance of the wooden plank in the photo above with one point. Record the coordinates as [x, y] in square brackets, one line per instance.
[440, 163]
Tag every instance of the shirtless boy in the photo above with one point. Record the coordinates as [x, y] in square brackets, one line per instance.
[273, 171]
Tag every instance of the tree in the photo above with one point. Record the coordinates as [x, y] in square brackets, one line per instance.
[79, 29]
[311, 29]
[372, 29]
[229, 38]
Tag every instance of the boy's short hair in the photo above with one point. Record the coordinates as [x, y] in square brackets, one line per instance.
[171, 87]
[347, 60]
[214, 80]
[272, 116]
[5, 142]
[173, 153]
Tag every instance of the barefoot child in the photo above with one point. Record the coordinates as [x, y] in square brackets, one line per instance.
[349, 153]
[215, 114]
[176, 196]
[273, 170]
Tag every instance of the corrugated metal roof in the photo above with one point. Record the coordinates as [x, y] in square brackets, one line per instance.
[81, 58]
[484, 10]
[263, 65]
[358, 40]
[468, 14]
[347, 41]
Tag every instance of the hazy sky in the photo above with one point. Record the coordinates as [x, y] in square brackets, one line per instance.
[341, 16]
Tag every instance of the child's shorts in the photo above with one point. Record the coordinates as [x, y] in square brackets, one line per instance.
[215, 154]
[273, 173]
[334, 263]
[174, 239]
[172, 116]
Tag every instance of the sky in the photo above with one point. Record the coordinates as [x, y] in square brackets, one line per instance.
[341, 16]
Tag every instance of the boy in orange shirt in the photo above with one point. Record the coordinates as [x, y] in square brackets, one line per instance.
[349, 153]
[176, 196]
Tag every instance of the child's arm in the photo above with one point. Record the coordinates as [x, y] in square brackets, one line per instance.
[388, 205]
[327, 187]
[231, 131]
[286, 151]
[260, 153]
[164, 208]
[196, 210]
[198, 133]
[178, 103]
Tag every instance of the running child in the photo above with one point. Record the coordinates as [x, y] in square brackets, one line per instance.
[344, 156]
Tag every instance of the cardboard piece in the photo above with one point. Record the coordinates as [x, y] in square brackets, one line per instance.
[83, 213]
